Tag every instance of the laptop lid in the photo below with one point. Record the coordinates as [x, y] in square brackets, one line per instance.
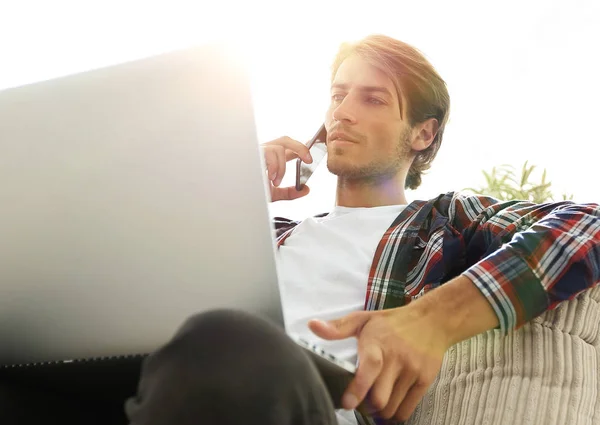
[133, 196]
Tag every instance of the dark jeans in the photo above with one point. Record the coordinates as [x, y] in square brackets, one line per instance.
[222, 367]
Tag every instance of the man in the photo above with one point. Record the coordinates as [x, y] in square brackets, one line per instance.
[476, 311]
[459, 310]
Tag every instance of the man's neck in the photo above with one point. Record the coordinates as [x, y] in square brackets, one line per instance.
[370, 192]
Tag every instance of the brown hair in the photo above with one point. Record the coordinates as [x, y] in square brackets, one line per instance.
[421, 90]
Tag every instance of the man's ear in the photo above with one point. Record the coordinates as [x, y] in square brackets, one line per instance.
[424, 133]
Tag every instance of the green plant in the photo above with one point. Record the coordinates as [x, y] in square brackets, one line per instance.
[502, 183]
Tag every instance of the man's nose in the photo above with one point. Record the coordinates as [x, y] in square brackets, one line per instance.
[345, 111]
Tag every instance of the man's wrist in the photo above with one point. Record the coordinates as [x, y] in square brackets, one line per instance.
[459, 308]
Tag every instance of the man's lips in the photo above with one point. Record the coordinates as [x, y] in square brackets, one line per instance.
[340, 136]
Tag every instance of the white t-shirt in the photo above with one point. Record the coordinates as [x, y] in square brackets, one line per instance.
[324, 269]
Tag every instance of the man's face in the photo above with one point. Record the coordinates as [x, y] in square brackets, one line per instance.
[367, 138]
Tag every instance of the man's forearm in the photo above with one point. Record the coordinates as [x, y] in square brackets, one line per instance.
[459, 308]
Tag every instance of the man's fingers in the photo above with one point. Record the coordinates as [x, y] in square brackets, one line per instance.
[344, 327]
[292, 193]
[371, 364]
[290, 154]
[289, 193]
[398, 395]
[295, 146]
[410, 402]
[271, 163]
[275, 164]
[280, 167]
[382, 394]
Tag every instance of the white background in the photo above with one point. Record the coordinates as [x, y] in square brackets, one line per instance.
[523, 76]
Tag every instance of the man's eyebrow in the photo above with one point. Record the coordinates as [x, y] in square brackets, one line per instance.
[368, 89]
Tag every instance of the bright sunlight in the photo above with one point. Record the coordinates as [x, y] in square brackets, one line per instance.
[522, 76]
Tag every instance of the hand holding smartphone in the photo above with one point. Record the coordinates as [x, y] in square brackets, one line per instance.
[318, 150]
[278, 152]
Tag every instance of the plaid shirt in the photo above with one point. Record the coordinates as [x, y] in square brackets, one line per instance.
[524, 257]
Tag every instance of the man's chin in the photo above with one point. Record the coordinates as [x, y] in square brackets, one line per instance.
[342, 168]
[361, 172]
[348, 172]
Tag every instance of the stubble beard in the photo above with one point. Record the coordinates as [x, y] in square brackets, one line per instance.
[374, 172]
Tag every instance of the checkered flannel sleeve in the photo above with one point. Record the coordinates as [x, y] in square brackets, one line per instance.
[527, 258]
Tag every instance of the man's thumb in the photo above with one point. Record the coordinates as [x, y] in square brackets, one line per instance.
[345, 327]
[295, 194]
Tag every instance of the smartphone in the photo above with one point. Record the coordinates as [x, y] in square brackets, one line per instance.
[318, 150]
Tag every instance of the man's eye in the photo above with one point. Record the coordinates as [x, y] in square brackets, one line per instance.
[337, 97]
[375, 101]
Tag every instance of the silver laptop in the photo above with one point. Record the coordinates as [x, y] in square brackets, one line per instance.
[132, 197]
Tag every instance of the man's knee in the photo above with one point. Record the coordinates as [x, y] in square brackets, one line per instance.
[226, 359]
[228, 331]
[211, 324]
[231, 340]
